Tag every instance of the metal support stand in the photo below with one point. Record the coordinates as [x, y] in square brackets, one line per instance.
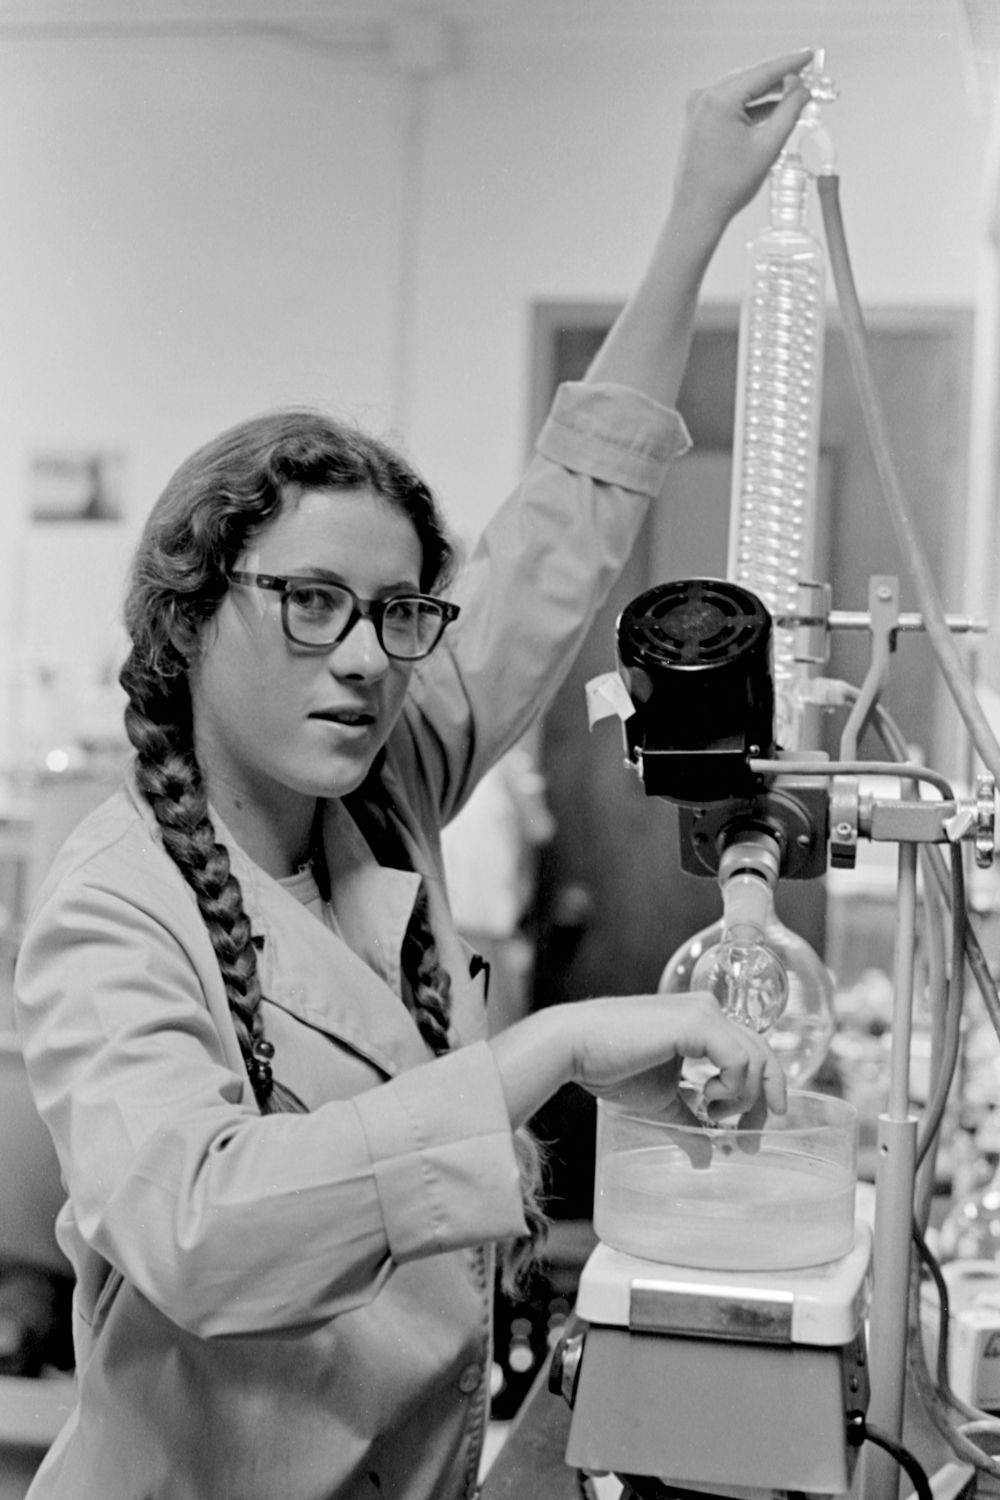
[895, 1176]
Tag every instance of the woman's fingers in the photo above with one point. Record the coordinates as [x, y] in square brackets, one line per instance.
[775, 127]
[632, 1049]
[751, 1083]
[747, 84]
[729, 147]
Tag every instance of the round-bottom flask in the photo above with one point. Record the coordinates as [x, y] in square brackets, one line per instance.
[801, 1034]
[745, 976]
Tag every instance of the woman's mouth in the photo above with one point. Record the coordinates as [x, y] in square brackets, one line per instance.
[346, 718]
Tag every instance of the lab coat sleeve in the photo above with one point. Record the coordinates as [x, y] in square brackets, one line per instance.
[534, 582]
[228, 1221]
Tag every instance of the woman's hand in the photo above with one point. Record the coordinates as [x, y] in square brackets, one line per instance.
[729, 148]
[631, 1048]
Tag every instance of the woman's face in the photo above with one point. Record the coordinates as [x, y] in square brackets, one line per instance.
[272, 718]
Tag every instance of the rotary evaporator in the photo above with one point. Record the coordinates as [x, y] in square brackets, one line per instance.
[740, 1330]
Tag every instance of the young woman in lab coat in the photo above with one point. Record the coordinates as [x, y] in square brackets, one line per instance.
[288, 1142]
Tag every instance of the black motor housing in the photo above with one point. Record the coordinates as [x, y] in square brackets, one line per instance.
[695, 655]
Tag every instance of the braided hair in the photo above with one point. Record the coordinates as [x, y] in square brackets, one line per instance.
[431, 983]
[209, 513]
[371, 808]
[420, 959]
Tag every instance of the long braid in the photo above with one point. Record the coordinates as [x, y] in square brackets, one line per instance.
[169, 777]
[429, 979]
[430, 983]
[420, 958]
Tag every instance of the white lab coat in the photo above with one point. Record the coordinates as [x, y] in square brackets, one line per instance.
[299, 1305]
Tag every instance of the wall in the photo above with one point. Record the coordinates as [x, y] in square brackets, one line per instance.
[189, 233]
[195, 226]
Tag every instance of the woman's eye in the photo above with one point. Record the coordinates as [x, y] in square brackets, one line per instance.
[403, 611]
[311, 600]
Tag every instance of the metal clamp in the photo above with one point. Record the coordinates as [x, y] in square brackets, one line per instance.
[564, 1371]
[985, 820]
[845, 819]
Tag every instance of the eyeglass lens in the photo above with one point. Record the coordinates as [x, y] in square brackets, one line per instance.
[317, 615]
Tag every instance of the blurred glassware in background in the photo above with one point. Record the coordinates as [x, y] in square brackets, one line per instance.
[971, 1228]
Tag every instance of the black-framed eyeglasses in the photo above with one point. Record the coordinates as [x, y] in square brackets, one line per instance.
[318, 614]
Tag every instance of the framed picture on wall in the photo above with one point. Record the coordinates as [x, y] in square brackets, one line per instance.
[75, 484]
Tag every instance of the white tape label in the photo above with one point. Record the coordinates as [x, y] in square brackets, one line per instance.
[607, 695]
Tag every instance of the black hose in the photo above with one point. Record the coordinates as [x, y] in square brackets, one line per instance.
[975, 957]
[935, 624]
[904, 1458]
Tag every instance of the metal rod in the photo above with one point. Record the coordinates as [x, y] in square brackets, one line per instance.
[903, 965]
[895, 1175]
[859, 619]
[895, 1172]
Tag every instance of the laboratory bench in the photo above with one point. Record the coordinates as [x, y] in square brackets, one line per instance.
[532, 1465]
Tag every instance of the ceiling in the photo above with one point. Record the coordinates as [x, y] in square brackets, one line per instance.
[385, 30]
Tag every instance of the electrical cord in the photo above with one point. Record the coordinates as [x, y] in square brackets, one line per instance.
[934, 1395]
[945, 999]
[907, 770]
[933, 1267]
[942, 1075]
[938, 1400]
[951, 1031]
[966, 947]
[974, 954]
[895, 745]
[953, 896]
[893, 740]
[906, 1460]
[941, 1406]
[975, 1421]
[944, 1002]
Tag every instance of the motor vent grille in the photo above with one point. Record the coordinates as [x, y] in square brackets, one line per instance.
[692, 622]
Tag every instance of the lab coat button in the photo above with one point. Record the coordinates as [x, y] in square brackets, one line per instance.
[470, 1379]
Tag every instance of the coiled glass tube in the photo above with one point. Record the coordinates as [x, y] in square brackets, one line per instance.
[778, 394]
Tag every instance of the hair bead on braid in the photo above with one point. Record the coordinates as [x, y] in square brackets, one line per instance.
[259, 1067]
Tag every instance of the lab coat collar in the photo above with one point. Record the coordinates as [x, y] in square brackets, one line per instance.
[372, 904]
[318, 977]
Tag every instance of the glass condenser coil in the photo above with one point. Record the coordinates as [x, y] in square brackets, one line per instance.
[778, 394]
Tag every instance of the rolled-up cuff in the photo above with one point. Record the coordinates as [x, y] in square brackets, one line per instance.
[615, 434]
[443, 1155]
